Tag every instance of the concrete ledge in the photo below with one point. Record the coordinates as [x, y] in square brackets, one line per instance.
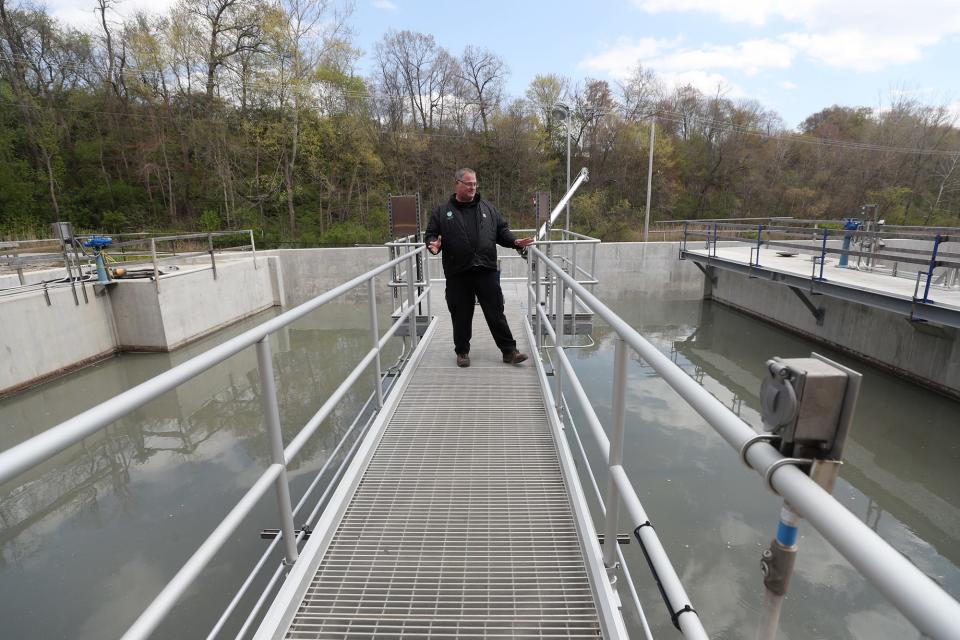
[40, 341]
[924, 355]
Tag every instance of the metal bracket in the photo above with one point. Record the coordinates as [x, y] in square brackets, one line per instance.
[818, 312]
[768, 475]
[760, 437]
[622, 538]
[706, 271]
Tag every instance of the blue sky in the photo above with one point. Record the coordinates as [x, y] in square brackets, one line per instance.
[795, 57]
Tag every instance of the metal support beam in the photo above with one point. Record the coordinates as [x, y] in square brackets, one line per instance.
[818, 312]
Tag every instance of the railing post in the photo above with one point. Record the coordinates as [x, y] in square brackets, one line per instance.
[536, 266]
[213, 262]
[759, 242]
[253, 249]
[156, 270]
[558, 370]
[616, 451]
[426, 284]
[823, 253]
[271, 414]
[375, 330]
[573, 295]
[933, 265]
[412, 299]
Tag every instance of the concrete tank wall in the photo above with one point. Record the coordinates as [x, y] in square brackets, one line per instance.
[924, 354]
[38, 341]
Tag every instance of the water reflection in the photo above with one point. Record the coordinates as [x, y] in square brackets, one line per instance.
[88, 538]
[714, 516]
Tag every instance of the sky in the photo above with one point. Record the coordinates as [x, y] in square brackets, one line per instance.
[794, 57]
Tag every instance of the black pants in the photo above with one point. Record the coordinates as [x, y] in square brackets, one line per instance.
[482, 285]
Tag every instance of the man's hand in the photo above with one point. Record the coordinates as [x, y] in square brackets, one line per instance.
[434, 247]
[523, 243]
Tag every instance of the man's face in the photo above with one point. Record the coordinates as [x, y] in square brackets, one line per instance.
[466, 187]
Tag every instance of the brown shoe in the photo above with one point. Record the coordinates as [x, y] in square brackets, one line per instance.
[463, 360]
[514, 357]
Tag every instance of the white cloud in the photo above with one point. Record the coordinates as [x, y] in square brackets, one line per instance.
[862, 35]
[620, 60]
[786, 84]
[750, 57]
[386, 5]
[80, 13]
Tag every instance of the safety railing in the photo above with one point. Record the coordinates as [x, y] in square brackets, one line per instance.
[29, 454]
[917, 253]
[915, 595]
[140, 250]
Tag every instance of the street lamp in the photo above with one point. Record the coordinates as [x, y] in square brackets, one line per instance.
[562, 111]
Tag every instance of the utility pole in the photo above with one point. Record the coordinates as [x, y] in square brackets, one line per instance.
[646, 219]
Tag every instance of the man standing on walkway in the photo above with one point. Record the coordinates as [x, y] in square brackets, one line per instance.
[468, 229]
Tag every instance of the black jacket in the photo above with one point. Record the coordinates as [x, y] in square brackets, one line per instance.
[458, 252]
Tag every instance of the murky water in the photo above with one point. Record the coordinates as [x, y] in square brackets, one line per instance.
[88, 539]
[901, 477]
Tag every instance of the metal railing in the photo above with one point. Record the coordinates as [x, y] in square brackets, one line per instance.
[909, 252]
[915, 595]
[29, 454]
[142, 249]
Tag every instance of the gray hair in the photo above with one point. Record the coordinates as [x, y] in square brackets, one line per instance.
[464, 171]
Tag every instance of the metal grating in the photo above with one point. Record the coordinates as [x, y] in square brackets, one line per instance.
[461, 526]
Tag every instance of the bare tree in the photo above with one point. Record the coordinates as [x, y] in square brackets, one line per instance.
[483, 73]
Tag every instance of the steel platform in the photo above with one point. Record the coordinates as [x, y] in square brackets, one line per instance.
[462, 519]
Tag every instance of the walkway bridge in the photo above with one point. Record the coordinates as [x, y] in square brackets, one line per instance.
[457, 511]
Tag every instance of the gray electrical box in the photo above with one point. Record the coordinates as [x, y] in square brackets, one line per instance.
[809, 403]
[62, 231]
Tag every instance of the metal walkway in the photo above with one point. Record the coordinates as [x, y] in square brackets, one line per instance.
[461, 524]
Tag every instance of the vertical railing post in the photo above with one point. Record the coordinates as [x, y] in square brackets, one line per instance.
[536, 266]
[616, 451]
[759, 242]
[558, 370]
[573, 295]
[426, 284]
[933, 265]
[375, 331]
[823, 253]
[156, 270]
[271, 414]
[213, 262]
[253, 249]
[412, 299]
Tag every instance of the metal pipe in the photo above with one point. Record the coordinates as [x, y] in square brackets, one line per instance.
[558, 343]
[646, 217]
[375, 332]
[153, 258]
[147, 622]
[581, 178]
[253, 249]
[920, 599]
[675, 596]
[271, 414]
[615, 459]
[933, 265]
[412, 300]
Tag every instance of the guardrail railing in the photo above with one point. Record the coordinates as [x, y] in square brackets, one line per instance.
[27, 455]
[915, 595]
[917, 253]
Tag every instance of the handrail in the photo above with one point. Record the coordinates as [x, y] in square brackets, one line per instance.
[928, 607]
[581, 178]
[36, 450]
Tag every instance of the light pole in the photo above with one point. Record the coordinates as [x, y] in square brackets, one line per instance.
[560, 110]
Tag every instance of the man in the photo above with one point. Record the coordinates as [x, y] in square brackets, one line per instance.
[468, 229]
